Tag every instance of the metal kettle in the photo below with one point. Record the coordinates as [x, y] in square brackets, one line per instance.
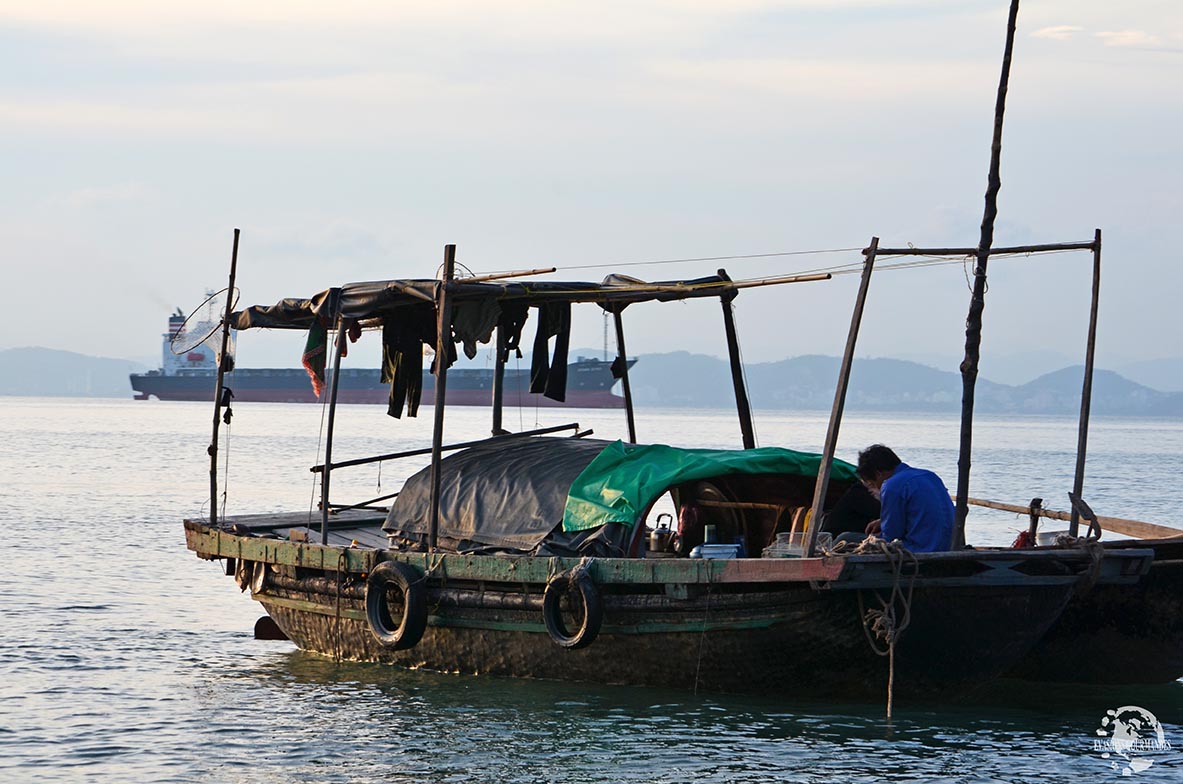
[661, 536]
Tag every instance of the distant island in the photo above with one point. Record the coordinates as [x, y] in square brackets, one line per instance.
[684, 379]
[807, 383]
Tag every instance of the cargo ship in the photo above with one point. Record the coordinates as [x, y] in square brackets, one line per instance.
[192, 376]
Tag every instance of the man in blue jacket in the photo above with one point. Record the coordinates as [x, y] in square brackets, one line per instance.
[915, 503]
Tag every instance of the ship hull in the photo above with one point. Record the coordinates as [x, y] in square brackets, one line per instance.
[589, 386]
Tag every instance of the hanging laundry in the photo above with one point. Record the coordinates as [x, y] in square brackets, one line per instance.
[402, 358]
[402, 368]
[473, 322]
[550, 379]
[618, 367]
[512, 321]
[313, 359]
[353, 329]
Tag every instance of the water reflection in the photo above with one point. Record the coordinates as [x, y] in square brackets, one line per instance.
[405, 723]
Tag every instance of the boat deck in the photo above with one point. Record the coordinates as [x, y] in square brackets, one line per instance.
[363, 526]
[294, 539]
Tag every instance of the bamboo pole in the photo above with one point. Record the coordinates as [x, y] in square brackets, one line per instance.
[687, 288]
[1007, 251]
[625, 387]
[1137, 528]
[1086, 394]
[316, 469]
[776, 281]
[514, 274]
[213, 445]
[742, 406]
[973, 323]
[823, 471]
[334, 384]
[443, 327]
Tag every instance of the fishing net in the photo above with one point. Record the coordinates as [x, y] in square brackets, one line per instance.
[204, 321]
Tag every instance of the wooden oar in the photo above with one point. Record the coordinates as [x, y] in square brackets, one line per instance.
[1135, 528]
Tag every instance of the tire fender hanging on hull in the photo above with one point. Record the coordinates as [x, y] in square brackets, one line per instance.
[410, 583]
[576, 582]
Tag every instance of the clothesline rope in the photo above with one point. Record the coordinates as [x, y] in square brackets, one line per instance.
[836, 269]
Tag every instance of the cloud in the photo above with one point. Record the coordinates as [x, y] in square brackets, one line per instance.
[334, 239]
[1131, 38]
[1057, 32]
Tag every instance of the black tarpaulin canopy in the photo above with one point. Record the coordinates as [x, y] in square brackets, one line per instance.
[385, 298]
[501, 497]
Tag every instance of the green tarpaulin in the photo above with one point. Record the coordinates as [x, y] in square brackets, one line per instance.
[624, 479]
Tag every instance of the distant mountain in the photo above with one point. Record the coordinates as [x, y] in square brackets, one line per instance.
[49, 372]
[1112, 395]
[807, 382]
[1165, 374]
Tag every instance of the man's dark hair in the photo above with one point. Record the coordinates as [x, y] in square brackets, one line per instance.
[874, 459]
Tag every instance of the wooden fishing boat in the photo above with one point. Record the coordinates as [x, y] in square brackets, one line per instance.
[526, 554]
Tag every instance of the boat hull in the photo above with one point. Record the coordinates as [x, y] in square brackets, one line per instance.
[791, 626]
[1119, 634]
[797, 641]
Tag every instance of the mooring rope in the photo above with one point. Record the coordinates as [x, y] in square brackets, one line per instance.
[702, 640]
[884, 624]
[1096, 553]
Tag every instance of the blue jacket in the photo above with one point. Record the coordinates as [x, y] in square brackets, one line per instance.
[917, 510]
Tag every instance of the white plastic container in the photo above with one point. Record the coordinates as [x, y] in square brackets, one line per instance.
[715, 551]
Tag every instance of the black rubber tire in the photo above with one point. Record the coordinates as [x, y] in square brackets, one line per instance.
[575, 582]
[414, 622]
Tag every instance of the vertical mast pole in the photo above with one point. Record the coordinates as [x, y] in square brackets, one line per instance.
[213, 444]
[443, 328]
[499, 382]
[334, 384]
[977, 303]
[624, 385]
[744, 409]
[823, 472]
[1086, 395]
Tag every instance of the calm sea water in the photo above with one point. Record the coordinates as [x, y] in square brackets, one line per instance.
[125, 658]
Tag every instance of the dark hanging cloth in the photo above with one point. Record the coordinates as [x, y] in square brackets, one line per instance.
[473, 322]
[353, 330]
[513, 319]
[550, 379]
[618, 367]
[402, 359]
[402, 368]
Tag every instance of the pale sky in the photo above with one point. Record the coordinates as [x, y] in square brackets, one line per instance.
[352, 140]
